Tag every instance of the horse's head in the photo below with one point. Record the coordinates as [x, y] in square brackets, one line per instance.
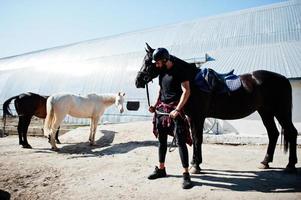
[148, 70]
[119, 101]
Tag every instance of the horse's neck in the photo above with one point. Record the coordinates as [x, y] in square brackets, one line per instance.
[108, 100]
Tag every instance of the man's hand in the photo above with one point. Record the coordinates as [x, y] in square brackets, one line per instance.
[173, 114]
[151, 109]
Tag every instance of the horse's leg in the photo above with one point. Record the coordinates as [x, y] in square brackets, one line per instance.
[52, 139]
[20, 128]
[57, 136]
[58, 118]
[94, 123]
[290, 134]
[91, 128]
[273, 134]
[197, 124]
[24, 132]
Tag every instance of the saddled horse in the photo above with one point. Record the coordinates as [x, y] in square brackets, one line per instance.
[91, 106]
[27, 105]
[268, 93]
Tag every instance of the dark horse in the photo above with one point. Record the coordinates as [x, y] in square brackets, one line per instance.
[27, 105]
[268, 93]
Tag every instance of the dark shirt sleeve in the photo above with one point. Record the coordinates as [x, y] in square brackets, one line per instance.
[184, 73]
[184, 70]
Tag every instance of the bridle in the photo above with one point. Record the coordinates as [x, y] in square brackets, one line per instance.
[147, 78]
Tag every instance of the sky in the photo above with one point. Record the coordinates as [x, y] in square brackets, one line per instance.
[31, 25]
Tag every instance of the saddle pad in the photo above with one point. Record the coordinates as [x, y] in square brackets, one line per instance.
[233, 84]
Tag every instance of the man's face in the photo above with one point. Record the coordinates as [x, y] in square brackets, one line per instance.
[160, 64]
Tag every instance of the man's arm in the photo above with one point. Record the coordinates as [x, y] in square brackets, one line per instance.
[184, 98]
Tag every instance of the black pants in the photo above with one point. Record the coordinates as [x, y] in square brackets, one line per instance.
[178, 127]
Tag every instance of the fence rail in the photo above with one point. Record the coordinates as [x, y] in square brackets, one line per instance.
[107, 117]
[209, 126]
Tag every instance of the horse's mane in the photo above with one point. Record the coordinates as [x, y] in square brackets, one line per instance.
[104, 97]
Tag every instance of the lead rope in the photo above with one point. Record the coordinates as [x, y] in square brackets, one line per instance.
[173, 143]
[147, 94]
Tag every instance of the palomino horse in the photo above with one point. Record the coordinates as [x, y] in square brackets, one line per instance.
[92, 106]
[268, 93]
[27, 105]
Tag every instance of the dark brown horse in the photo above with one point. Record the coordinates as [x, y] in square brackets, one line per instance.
[27, 105]
[268, 93]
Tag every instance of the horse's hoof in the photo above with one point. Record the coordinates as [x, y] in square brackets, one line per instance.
[55, 149]
[290, 170]
[195, 170]
[92, 143]
[263, 166]
[26, 146]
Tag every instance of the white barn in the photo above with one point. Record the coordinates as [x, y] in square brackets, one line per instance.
[266, 37]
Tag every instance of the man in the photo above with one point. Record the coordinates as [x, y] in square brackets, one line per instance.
[174, 80]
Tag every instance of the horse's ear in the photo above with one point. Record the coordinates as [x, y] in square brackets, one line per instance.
[148, 48]
[121, 94]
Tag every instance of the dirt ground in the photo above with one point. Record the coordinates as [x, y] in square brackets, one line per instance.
[117, 168]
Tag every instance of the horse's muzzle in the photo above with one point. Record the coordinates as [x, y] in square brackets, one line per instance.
[139, 83]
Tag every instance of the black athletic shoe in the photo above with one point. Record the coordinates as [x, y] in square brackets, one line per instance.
[187, 184]
[158, 173]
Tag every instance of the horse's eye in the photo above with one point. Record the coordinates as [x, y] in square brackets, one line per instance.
[148, 62]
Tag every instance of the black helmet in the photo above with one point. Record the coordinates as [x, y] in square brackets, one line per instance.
[160, 54]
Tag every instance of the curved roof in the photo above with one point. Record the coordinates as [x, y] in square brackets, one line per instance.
[266, 37]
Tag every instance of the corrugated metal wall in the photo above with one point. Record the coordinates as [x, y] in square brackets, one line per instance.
[266, 37]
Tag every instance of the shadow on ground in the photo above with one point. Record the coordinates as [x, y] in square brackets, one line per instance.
[103, 147]
[267, 181]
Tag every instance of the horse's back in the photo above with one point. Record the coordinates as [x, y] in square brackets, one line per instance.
[74, 105]
[31, 104]
[264, 75]
[59, 98]
[271, 81]
[72, 98]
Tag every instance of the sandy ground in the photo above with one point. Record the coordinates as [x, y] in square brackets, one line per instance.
[117, 168]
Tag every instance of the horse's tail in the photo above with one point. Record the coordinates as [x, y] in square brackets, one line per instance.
[288, 106]
[284, 141]
[49, 117]
[7, 111]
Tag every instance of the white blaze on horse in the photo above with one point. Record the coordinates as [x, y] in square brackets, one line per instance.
[91, 106]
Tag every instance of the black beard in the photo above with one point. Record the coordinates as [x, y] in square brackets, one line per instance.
[163, 69]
